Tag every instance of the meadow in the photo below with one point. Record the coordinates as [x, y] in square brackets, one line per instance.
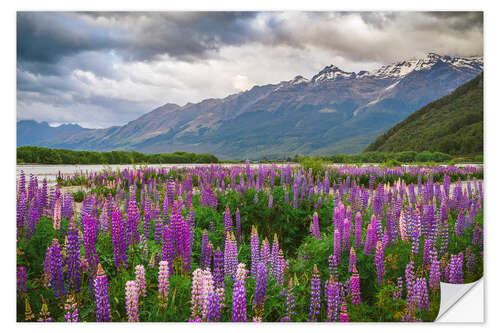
[240, 243]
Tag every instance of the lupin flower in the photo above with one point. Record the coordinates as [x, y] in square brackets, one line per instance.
[89, 240]
[346, 235]
[158, 230]
[254, 248]
[352, 259]
[204, 244]
[274, 267]
[358, 229]
[420, 294]
[315, 226]
[330, 293]
[344, 317]
[444, 239]
[191, 220]
[71, 310]
[208, 255]
[132, 222]
[196, 294]
[476, 236]
[380, 262]
[332, 266]
[219, 269]
[230, 255]
[119, 243]
[280, 268]
[337, 249]
[355, 287]
[265, 251]
[103, 312]
[410, 280]
[290, 303]
[57, 214]
[140, 278]
[239, 295]
[459, 225]
[315, 303]
[471, 262]
[260, 290]
[132, 300]
[21, 281]
[214, 306]
[435, 273]
[398, 289]
[202, 286]
[56, 269]
[228, 223]
[370, 237]
[73, 258]
[454, 269]
[426, 260]
[163, 280]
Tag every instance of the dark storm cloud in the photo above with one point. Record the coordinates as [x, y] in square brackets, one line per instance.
[183, 35]
[47, 37]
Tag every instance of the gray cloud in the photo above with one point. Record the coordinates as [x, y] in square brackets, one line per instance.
[107, 68]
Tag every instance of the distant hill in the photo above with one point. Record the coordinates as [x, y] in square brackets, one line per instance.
[30, 132]
[452, 124]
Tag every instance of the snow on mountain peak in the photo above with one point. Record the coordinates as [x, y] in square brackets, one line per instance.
[298, 80]
[332, 72]
[403, 68]
[395, 70]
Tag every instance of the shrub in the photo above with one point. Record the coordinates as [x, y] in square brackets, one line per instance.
[392, 163]
[424, 156]
[315, 164]
[406, 156]
[78, 196]
[440, 157]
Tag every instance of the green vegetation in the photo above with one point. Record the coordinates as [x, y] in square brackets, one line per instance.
[32, 154]
[452, 124]
[316, 164]
[78, 196]
[390, 158]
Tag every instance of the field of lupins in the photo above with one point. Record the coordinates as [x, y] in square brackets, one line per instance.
[260, 243]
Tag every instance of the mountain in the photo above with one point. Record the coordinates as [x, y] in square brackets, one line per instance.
[452, 124]
[30, 132]
[333, 112]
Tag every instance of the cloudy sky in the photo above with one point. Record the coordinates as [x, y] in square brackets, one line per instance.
[105, 69]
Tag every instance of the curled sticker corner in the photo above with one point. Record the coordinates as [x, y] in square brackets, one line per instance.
[451, 295]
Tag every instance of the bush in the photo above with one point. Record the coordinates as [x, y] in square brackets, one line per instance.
[315, 164]
[78, 196]
[392, 163]
[440, 157]
[406, 156]
[424, 156]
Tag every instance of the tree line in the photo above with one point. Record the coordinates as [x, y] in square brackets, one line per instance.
[42, 155]
[388, 157]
